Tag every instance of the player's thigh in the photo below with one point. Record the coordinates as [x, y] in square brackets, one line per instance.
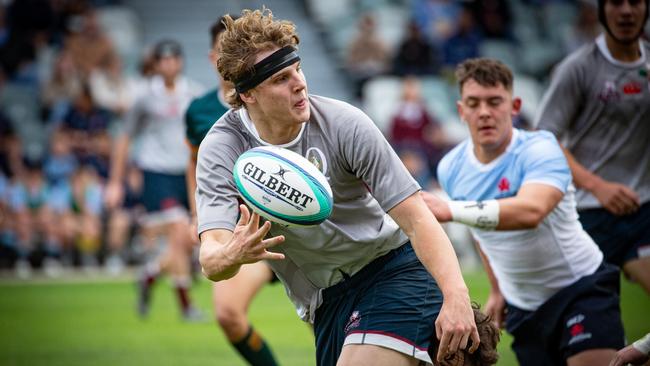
[593, 357]
[639, 271]
[371, 355]
[238, 291]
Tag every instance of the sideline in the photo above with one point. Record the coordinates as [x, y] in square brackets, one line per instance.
[68, 276]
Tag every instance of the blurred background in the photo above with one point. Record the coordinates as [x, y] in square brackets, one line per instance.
[71, 69]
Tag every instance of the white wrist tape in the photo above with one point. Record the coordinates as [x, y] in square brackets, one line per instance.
[480, 214]
[643, 345]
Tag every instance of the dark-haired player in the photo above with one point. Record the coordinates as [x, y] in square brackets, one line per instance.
[598, 106]
[513, 188]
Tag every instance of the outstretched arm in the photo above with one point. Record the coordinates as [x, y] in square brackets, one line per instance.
[526, 210]
[615, 197]
[455, 324]
[223, 252]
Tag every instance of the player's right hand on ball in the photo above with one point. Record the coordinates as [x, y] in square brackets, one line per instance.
[248, 244]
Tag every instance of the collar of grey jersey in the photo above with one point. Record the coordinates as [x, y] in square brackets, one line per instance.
[602, 47]
[250, 126]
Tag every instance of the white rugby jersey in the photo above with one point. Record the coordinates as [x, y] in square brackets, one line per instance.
[367, 180]
[530, 265]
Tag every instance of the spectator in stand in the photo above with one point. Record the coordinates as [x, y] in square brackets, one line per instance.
[415, 56]
[33, 220]
[87, 127]
[63, 86]
[367, 55]
[111, 88]
[494, 18]
[415, 131]
[10, 167]
[87, 42]
[465, 43]
[87, 206]
[437, 19]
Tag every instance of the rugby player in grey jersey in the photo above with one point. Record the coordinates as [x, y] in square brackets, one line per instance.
[156, 120]
[598, 105]
[365, 276]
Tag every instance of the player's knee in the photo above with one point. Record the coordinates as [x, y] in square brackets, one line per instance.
[232, 320]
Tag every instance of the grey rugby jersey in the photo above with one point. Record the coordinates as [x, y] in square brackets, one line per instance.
[600, 109]
[367, 180]
[156, 122]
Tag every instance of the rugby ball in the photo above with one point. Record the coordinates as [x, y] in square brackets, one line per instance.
[283, 186]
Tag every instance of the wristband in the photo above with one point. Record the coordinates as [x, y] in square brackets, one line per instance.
[480, 214]
[643, 345]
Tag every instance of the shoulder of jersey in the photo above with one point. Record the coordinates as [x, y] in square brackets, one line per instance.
[283, 186]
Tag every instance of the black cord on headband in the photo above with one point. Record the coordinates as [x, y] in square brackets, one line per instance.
[262, 70]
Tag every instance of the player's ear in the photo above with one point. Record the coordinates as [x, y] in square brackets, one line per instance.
[247, 97]
[516, 106]
[459, 108]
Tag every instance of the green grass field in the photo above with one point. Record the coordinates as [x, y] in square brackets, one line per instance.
[94, 323]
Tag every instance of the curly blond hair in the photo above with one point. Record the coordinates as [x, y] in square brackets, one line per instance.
[255, 31]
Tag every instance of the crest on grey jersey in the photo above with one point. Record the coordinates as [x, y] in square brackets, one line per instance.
[316, 157]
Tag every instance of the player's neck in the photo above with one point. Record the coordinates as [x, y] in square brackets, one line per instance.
[485, 154]
[624, 52]
[272, 132]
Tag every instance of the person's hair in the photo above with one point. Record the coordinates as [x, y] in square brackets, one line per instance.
[255, 31]
[218, 27]
[603, 19]
[485, 71]
[486, 354]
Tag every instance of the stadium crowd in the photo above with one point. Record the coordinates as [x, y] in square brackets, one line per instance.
[66, 90]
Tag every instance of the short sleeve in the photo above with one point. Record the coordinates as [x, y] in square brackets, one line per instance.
[544, 162]
[373, 160]
[562, 99]
[216, 193]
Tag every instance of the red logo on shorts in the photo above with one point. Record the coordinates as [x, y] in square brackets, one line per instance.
[504, 185]
[576, 329]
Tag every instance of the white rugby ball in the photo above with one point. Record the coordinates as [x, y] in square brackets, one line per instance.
[283, 186]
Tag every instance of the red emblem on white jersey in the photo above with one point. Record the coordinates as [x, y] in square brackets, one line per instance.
[504, 185]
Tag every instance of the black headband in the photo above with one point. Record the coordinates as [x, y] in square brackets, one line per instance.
[262, 70]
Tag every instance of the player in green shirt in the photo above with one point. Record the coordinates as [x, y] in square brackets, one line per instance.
[231, 298]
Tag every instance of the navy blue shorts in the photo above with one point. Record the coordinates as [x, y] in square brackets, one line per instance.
[581, 317]
[392, 302]
[621, 238]
[162, 192]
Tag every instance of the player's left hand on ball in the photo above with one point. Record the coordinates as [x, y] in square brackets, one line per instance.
[438, 207]
[455, 326]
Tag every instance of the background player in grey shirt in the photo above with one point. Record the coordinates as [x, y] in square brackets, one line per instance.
[598, 105]
[156, 121]
[355, 276]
